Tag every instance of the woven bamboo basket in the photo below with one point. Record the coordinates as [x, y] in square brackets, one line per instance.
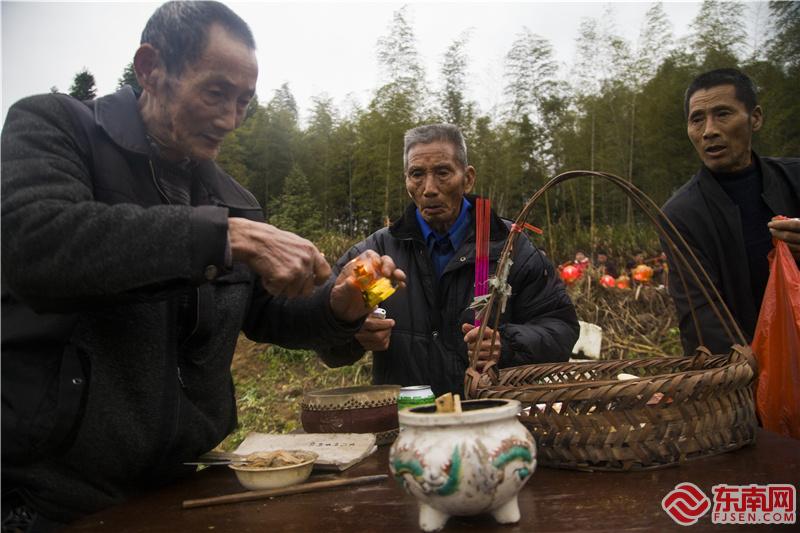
[674, 410]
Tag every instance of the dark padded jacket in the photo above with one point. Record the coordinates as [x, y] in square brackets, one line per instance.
[708, 219]
[119, 316]
[427, 345]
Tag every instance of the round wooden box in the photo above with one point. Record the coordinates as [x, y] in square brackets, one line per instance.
[363, 409]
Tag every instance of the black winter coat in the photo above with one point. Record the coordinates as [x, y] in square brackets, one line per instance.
[427, 345]
[119, 316]
[708, 219]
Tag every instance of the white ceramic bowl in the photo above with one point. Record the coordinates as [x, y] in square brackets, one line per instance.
[259, 478]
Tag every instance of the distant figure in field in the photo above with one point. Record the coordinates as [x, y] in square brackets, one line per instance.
[606, 265]
[581, 262]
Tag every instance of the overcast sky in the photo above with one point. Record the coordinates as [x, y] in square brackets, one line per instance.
[314, 46]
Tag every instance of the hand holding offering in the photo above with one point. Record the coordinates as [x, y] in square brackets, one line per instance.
[363, 283]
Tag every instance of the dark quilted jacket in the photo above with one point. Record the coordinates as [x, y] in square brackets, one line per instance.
[427, 346]
[119, 317]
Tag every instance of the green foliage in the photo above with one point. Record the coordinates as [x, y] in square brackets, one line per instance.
[270, 382]
[129, 78]
[784, 47]
[397, 52]
[334, 245]
[455, 108]
[621, 111]
[83, 86]
[530, 71]
[718, 33]
[295, 209]
[620, 242]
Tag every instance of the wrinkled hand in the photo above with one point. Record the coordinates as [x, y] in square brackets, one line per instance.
[788, 231]
[375, 334]
[471, 338]
[347, 302]
[288, 264]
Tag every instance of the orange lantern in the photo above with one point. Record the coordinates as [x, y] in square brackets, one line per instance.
[608, 281]
[570, 273]
[642, 273]
[623, 282]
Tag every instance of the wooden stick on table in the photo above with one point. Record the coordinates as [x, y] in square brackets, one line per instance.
[268, 493]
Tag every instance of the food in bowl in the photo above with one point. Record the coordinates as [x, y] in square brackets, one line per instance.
[275, 469]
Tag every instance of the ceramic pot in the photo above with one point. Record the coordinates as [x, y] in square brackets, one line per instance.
[464, 464]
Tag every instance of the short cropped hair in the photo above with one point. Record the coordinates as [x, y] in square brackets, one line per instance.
[745, 88]
[179, 31]
[435, 133]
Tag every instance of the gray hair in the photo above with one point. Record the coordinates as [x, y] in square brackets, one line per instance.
[436, 133]
[179, 31]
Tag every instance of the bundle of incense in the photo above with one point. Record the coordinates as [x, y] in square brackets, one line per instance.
[482, 210]
[448, 403]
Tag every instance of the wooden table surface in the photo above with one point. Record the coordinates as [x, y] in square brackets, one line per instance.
[553, 500]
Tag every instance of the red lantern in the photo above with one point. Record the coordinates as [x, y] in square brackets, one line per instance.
[608, 281]
[623, 282]
[570, 274]
[642, 273]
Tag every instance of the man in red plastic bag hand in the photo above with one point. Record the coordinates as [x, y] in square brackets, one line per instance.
[724, 212]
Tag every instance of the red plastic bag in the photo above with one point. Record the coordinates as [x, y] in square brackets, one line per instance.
[776, 345]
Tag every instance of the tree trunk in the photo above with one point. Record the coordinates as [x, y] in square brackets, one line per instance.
[388, 178]
[266, 197]
[591, 192]
[629, 213]
[550, 249]
[350, 221]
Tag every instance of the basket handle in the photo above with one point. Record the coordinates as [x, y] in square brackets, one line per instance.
[701, 355]
[666, 230]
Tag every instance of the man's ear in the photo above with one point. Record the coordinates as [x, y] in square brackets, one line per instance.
[469, 178]
[757, 117]
[148, 67]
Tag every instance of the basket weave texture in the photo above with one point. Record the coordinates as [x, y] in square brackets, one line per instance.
[679, 408]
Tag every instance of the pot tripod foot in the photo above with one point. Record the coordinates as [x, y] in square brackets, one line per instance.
[508, 513]
[431, 519]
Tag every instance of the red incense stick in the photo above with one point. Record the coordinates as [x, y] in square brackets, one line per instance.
[483, 207]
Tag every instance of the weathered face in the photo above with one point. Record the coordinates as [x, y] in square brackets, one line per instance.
[208, 100]
[437, 182]
[721, 129]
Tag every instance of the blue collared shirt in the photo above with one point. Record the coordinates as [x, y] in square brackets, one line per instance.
[442, 248]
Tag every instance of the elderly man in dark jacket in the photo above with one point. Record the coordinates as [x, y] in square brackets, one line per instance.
[427, 332]
[131, 262]
[724, 212]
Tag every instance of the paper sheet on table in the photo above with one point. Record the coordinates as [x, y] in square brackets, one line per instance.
[337, 451]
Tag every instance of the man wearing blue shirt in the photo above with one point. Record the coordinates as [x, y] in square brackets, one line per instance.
[428, 332]
[443, 246]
